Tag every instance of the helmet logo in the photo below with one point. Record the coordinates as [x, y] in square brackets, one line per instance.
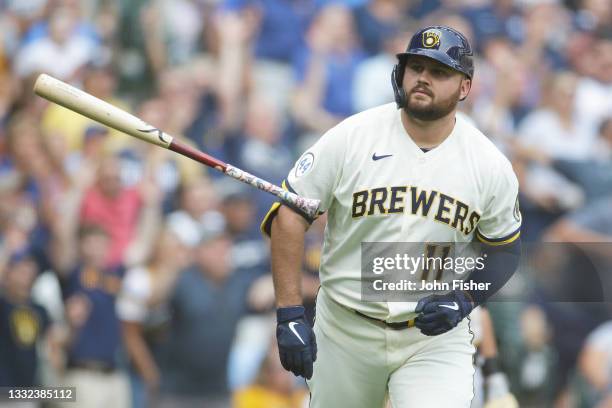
[431, 39]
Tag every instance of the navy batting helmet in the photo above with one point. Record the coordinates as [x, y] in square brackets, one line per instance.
[440, 43]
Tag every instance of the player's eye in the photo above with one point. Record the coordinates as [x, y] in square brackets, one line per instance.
[439, 72]
[415, 67]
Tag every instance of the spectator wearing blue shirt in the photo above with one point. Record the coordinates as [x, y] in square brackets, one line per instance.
[23, 324]
[377, 21]
[496, 18]
[281, 25]
[326, 69]
[258, 40]
[90, 288]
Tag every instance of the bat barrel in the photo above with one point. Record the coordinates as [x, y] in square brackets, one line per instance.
[88, 105]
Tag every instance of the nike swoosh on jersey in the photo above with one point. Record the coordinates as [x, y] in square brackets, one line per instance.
[382, 156]
[292, 328]
[454, 306]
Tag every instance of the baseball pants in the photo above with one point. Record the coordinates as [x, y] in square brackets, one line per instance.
[362, 364]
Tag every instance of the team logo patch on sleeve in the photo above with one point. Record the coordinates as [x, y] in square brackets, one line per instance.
[304, 165]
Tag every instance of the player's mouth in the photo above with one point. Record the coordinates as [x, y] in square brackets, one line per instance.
[421, 91]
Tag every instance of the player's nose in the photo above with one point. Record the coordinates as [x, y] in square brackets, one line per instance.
[424, 77]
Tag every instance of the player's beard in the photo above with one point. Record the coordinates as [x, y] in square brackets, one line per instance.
[434, 110]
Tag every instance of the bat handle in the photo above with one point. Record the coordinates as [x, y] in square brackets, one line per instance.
[197, 155]
[308, 206]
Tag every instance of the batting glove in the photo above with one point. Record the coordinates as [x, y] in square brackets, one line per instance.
[297, 345]
[440, 313]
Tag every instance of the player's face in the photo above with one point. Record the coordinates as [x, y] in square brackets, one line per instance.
[432, 89]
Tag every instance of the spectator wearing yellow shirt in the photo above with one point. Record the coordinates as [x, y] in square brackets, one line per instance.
[58, 121]
[273, 388]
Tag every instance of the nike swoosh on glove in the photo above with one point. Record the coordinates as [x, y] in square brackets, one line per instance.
[297, 345]
[440, 313]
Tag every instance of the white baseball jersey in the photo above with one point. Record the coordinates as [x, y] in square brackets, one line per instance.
[377, 185]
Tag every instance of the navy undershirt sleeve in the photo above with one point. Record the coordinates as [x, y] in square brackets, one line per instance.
[500, 264]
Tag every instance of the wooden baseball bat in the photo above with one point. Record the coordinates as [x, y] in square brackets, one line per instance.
[88, 105]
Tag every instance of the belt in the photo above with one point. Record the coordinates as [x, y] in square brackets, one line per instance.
[394, 325]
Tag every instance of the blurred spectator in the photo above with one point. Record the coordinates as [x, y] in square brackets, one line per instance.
[89, 288]
[24, 324]
[239, 210]
[183, 23]
[33, 186]
[61, 52]
[196, 210]
[280, 25]
[127, 214]
[551, 132]
[499, 89]
[274, 387]
[554, 128]
[144, 162]
[495, 18]
[590, 224]
[139, 59]
[594, 14]
[586, 230]
[203, 130]
[377, 21]
[208, 301]
[9, 89]
[16, 18]
[594, 175]
[94, 140]
[596, 365]
[325, 70]
[594, 92]
[143, 309]
[534, 362]
[260, 148]
[372, 84]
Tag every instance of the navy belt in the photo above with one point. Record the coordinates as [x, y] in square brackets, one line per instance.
[394, 325]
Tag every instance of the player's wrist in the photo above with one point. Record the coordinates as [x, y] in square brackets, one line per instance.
[466, 300]
[289, 313]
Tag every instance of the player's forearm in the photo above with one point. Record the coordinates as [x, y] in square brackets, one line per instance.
[288, 229]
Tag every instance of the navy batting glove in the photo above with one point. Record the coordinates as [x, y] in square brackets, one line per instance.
[297, 345]
[440, 313]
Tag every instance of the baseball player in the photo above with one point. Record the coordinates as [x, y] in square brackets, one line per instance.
[412, 171]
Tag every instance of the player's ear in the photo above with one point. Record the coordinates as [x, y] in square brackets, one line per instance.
[464, 90]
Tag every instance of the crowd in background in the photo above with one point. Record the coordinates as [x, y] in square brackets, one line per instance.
[140, 276]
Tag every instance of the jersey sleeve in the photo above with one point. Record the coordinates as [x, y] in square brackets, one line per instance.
[315, 174]
[500, 222]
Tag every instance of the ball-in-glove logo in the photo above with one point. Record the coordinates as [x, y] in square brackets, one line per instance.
[431, 39]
